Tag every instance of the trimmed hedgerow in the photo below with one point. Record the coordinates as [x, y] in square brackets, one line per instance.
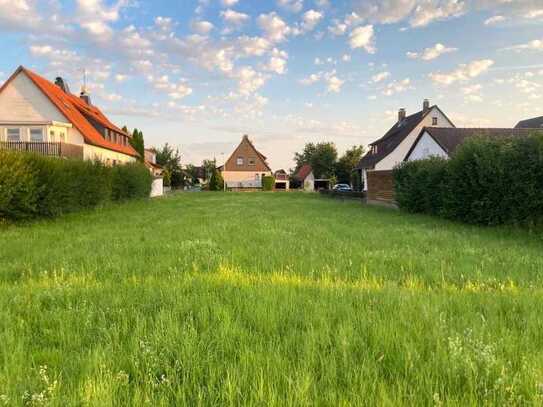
[488, 181]
[268, 183]
[37, 186]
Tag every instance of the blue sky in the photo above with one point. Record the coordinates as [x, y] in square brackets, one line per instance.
[200, 73]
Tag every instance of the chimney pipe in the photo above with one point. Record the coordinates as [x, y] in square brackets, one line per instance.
[62, 84]
[401, 114]
[426, 105]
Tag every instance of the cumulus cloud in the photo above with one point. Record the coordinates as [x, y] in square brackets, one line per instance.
[229, 3]
[381, 76]
[494, 20]
[275, 29]
[397, 87]
[234, 19]
[311, 19]
[333, 83]
[362, 37]
[463, 73]
[294, 6]
[202, 27]
[535, 45]
[431, 53]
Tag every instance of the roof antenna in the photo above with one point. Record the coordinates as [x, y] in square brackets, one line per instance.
[84, 94]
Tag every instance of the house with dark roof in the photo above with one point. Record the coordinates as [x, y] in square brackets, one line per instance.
[443, 142]
[245, 167]
[535, 123]
[390, 150]
[41, 116]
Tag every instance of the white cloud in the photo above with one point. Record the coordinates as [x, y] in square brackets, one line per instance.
[294, 6]
[229, 3]
[531, 14]
[494, 20]
[121, 78]
[429, 11]
[202, 27]
[381, 76]
[311, 19]
[346, 58]
[535, 45]
[277, 62]
[397, 87]
[164, 23]
[472, 93]
[233, 18]
[275, 29]
[333, 82]
[362, 37]
[431, 53]
[463, 73]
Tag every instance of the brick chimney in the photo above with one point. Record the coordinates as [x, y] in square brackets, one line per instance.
[401, 114]
[426, 105]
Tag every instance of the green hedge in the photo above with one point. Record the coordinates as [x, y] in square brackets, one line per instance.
[268, 183]
[488, 181]
[33, 185]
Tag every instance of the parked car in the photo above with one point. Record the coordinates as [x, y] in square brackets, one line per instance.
[342, 188]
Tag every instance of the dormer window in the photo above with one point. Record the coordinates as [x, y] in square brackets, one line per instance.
[239, 161]
[374, 149]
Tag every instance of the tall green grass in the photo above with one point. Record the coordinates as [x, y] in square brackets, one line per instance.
[268, 299]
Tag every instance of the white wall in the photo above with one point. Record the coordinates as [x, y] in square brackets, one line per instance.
[309, 182]
[426, 147]
[244, 179]
[398, 155]
[157, 187]
[91, 152]
[22, 101]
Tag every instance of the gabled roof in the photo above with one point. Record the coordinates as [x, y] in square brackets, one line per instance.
[535, 123]
[303, 172]
[76, 112]
[245, 140]
[449, 138]
[392, 138]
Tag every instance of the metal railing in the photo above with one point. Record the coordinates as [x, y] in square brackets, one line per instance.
[52, 149]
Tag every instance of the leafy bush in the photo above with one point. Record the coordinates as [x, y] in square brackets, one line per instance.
[488, 181]
[33, 185]
[130, 181]
[420, 185]
[268, 183]
[216, 182]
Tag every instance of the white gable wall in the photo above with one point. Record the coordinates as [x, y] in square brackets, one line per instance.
[398, 155]
[22, 101]
[309, 182]
[427, 147]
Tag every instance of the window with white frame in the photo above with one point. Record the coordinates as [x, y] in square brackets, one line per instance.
[239, 161]
[14, 134]
[52, 136]
[36, 135]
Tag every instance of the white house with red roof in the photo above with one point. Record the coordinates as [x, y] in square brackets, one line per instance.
[41, 116]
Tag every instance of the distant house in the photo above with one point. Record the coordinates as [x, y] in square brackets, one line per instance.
[442, 142]
[535, 123]
[281, 180]
[391, 149]
[245, 167]
[308, 181]
[150, 162]
[44, 117]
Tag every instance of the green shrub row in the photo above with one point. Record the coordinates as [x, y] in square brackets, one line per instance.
[488, 181]
[33, 185]
[268, 183]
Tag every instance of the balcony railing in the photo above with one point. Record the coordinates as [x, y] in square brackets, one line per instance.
[45, 148]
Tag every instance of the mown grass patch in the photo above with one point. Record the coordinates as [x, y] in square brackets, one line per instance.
[268, 299]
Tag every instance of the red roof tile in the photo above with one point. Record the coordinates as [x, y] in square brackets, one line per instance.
[75, 110]
[303, 172]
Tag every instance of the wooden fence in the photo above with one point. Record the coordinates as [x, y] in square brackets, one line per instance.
[44, 148]
[380, 188]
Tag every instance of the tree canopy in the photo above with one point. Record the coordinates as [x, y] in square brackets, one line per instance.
[138, 143]
[170, 160]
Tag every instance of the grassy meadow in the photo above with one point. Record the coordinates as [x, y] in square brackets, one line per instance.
[268, 299]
